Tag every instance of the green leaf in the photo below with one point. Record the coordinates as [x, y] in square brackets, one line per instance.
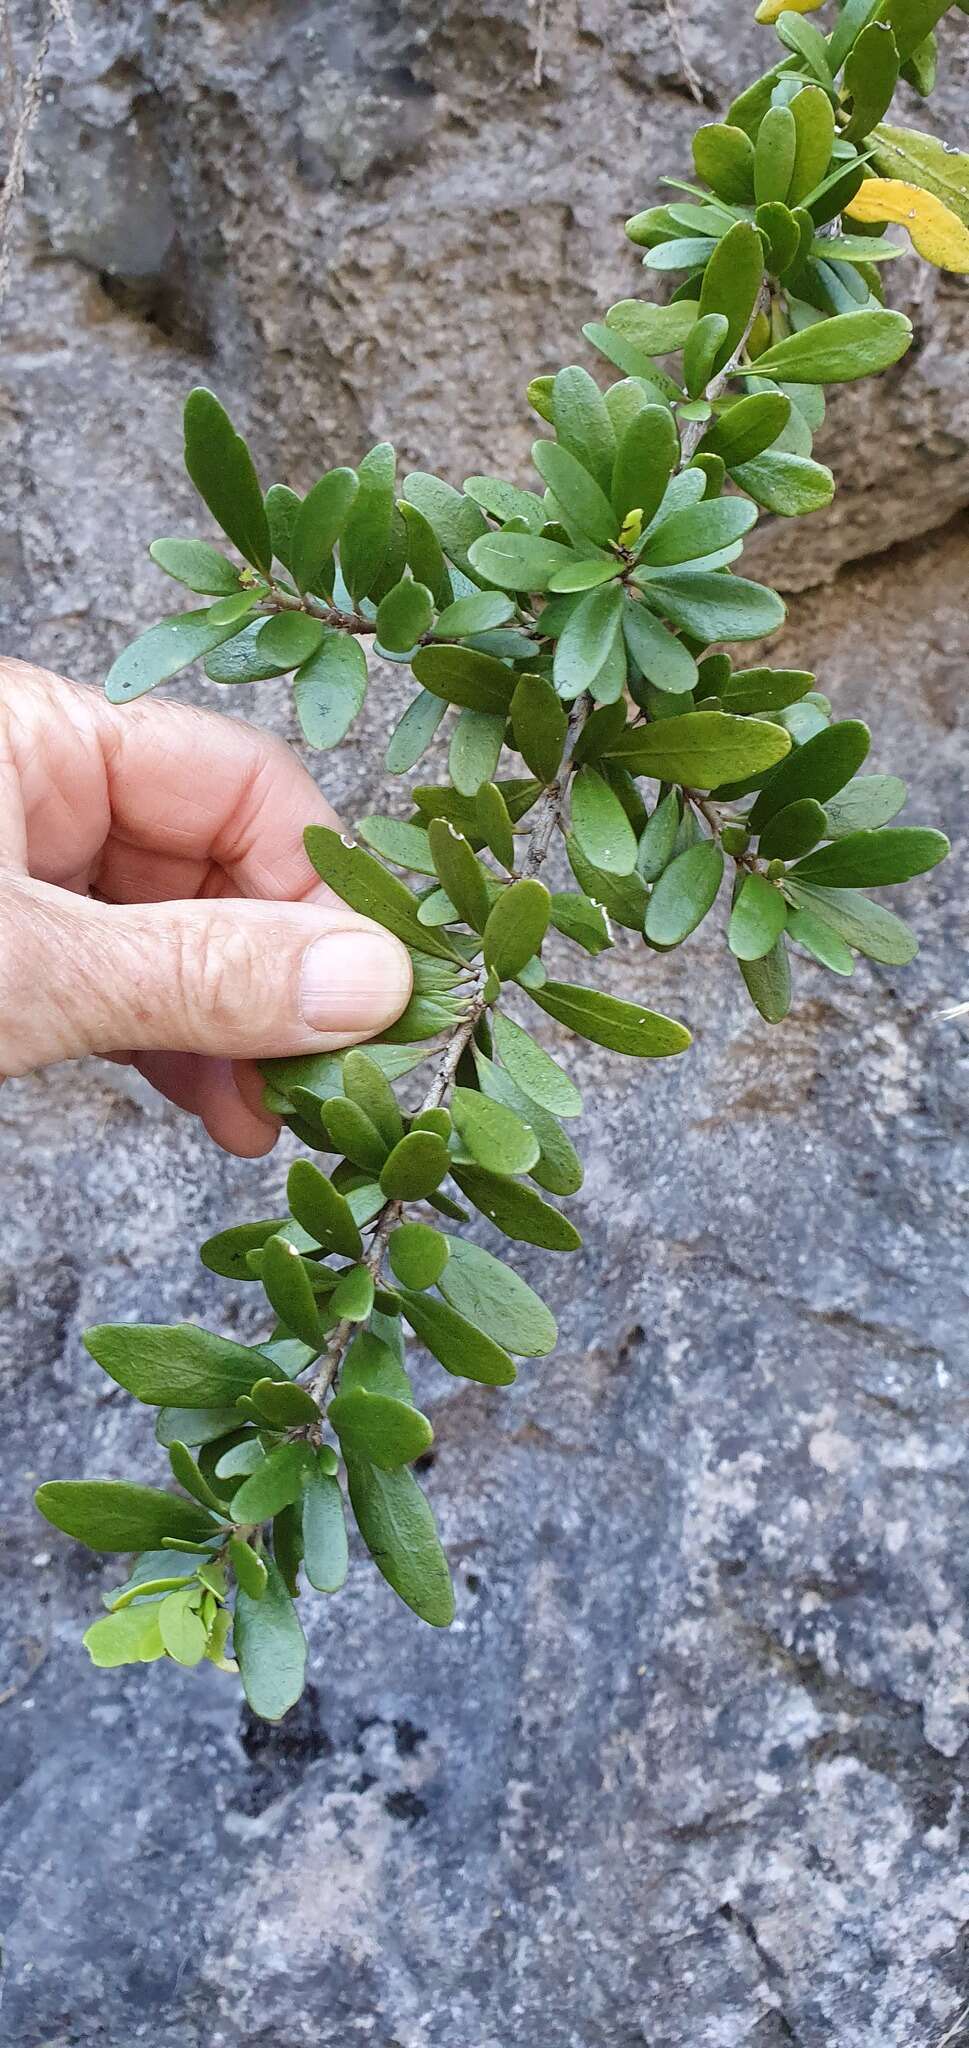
[790, 485]
[163, 651]
[724, 159]
[870, 77]
[367, 1086]
[578, 918]
[495, 1135]
[683, 894]
[535, 1072]
[455, 520]
[600, 824]
[353, 1295]
[276, 1482]
[813, 117]
[587, 643]
[581, 499]
[271, 1648]
[359, 880]
[923, 160]
[540, 726]
[478, 613]
[404, 616]
[195, 1426]
[282, 511]
[330, 688]
[322, 1210]
[622, 897]
[494, 823]
[732, 280]
[221, 468]
[700, 352]
[819, 940]
[406, 845]
[475, 751]
[388, 1432]
[519, 561]
[289, 639]
[774, 155]
[865, 803]
[289, 1292]
[181, 1627]
[711, 606]
[398, 1529]
[868, 860]
[243, 659]
[493, 1298]
[131, 1636]
[463, 676]
[174, 1364]
[250, 1570]
[226, 1253]
[415, 1167]
[517, 1210]
[197, 565]
[516, 927]
[190, 1478]
[839, 350]
[764, 689]
[459, 873]
[757, 919]
[112, 1515]
[354, 1133]
[325, 1553]
[285, 1405]
[366, 532]
[698, 530]
[462, 1349]
[582, 423]
[866, 926]
[819, 768]
[624, 1027]
[505, 501]
[793, 831]
[768, 983]
[663, 659]
[645, 459]
[418, 1254]
[658, 840]
[655, 330]
[701, 749]
[319, 523]
[559, 1168]
[413, 733]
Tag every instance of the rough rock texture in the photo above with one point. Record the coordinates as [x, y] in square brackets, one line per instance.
[691, 1766]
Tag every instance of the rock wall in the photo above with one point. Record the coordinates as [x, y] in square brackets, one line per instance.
[691, 1765]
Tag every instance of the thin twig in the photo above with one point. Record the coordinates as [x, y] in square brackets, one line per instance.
[59, 12]
[546, 819]
[691, 76]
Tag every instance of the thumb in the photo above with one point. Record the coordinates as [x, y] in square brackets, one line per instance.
[236, 979]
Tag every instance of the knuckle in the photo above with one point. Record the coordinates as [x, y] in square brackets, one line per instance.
[217, 977]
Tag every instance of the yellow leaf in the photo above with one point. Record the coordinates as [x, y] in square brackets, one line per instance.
[936, 232]
[770, 10]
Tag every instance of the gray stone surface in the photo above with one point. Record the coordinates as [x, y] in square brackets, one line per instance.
[691, 1766]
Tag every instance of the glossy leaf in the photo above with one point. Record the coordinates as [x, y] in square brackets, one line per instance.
[221, 468]
[270, 1646]
[624, 1027]
[683, 894]
[768, 982]
[839, 350]
[365, 536]
[415, 1167]
[317, 528]
[517, 1210]
[132, 1636]
[198, 565]
[516, 927]
[112, 1515]
[460, 873]
[533, 1069]
[868, 860]
[276, 1482]
[757, 919]
[495, 1136]
[174, 1364]
[398, 1529]
[818, 769]
[794, 830]
[494, 1298]
[463, 1349]
[418, 1254]
[863, 804]
[701, 749]
[540, 726]
[866, 926]
[322, 1210]
[161, 652]
[388, 1432]
[289, 1292]
[359, 880]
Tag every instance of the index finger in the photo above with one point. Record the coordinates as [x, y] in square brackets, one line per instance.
[175, 781]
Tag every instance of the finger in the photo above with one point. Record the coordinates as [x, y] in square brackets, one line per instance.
[237, 980]
[209, 1090]
[182, 783]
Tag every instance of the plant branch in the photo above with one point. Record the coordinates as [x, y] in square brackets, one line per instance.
[547, 819]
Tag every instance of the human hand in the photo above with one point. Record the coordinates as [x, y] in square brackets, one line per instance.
[206, 940]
